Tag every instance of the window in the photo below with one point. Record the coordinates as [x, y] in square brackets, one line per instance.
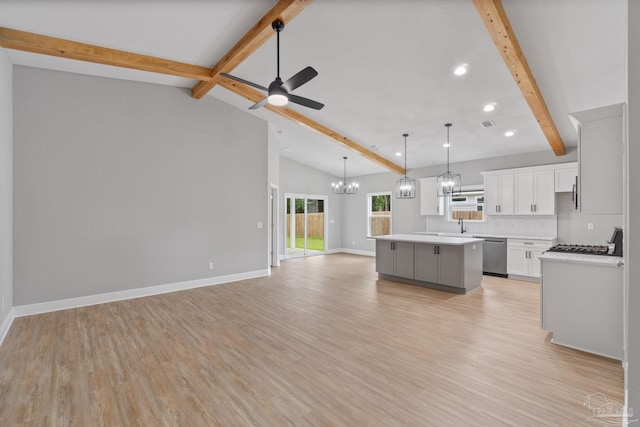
[378, 214]
[469, 206]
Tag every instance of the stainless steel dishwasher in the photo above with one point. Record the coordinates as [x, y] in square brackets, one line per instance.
[494, 256]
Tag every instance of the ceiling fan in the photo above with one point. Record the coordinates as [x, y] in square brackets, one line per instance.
[279, 93]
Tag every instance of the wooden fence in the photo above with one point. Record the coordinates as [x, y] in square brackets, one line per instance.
[315, 224]
[380, 223]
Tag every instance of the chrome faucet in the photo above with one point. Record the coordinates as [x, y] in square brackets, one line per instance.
[461, 224]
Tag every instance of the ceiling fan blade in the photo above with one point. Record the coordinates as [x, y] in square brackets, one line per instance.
[299, 79]
[247, 82]
[305, 102]
[259, 104]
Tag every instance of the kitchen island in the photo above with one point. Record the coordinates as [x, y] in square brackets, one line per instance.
[452, 264]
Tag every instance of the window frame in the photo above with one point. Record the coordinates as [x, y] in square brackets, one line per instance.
[369, 211]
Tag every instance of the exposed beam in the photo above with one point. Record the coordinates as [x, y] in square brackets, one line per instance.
[255, 96]
[497, 22]
[30, 42]
[285, 10]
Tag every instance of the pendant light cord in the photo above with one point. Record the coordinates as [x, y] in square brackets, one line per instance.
[278, 51]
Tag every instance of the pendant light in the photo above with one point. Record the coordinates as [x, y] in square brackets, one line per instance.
[342, 187]
[448, 182]
[405, 186]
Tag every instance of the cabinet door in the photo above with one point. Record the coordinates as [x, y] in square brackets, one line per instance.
[534, 262]
[565, 179]
[384, 257]
[491, 194]
[426, 263]
[524, 199]
[544, 195]
[451, 265]
[600, 161]
[430, 203]
[518, 261]
[404, 259]
[506, 194]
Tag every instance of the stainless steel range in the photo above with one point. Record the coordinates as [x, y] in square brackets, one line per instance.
[581, 249]
[614, 247]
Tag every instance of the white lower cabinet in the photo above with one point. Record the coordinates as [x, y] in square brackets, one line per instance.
[523, 256]
[582, 303]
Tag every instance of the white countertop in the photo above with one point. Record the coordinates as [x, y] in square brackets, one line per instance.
[613, 261]
[499, 236]
[421, 238]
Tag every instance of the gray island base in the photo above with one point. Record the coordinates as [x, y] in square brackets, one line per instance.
[452, 264]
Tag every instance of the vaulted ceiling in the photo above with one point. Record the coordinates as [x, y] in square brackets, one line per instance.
[385, 67]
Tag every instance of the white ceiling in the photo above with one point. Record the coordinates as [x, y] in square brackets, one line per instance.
[385, 67]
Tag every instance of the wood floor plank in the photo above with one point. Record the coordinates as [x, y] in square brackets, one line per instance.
[321, 342]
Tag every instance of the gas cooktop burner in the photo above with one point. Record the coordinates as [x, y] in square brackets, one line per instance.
[582, 249]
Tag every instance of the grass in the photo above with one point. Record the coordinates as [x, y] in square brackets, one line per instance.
[313, 243]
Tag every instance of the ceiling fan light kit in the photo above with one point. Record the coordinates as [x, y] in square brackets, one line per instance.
[342, 187]
[449, 183]
[279, 93]
[405, 186]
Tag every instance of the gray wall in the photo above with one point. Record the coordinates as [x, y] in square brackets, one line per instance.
[572, 225]
[301, 179]
[633, 209]
[121, 185]
[6, 184]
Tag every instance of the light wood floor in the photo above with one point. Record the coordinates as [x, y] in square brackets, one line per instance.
[320, 342]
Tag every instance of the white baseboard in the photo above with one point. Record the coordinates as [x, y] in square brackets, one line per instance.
[49, 306]
[351, 251]
[6, 325]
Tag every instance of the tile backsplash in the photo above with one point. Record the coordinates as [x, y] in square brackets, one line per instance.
[542, 226]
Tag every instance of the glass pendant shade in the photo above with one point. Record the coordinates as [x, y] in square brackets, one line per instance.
[449, 183]
[405, 186]
[342, 187]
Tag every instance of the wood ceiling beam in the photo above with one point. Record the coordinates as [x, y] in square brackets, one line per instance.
[36, 43]
[255, 96]
[497, 22]
[285, 10]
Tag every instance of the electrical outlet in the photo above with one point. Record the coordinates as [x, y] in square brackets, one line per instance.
[353, 243]
[211, 266]
[3, 303]
[590, 226]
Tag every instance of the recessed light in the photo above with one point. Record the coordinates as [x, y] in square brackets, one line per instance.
[398, 154]
[490, 107]
[460, 69]
[446, 145]
[509, 133]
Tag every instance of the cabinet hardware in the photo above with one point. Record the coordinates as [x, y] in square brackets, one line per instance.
[531, 208]
[535, 208]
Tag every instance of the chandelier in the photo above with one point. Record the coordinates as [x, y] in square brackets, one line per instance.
[448, 182]
[342, 187]
[405, 186]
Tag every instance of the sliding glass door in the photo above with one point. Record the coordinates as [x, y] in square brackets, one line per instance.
[306, 225]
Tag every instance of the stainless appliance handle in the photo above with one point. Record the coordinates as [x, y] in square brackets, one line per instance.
[502, 242]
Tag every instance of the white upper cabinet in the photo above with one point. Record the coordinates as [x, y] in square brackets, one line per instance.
[600, 161]
[535, 193]
[498, 194]
[430, 203]
[566, 178]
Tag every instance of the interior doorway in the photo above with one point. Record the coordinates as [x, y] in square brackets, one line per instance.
[306, 225]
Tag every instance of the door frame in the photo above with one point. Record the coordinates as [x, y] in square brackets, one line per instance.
[274, 240]
[325, 200]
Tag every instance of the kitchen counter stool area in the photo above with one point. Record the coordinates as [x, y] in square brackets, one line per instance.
[452, 264]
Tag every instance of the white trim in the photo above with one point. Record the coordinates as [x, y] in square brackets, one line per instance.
[352, 251]
[49, 306]
[6, 325]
